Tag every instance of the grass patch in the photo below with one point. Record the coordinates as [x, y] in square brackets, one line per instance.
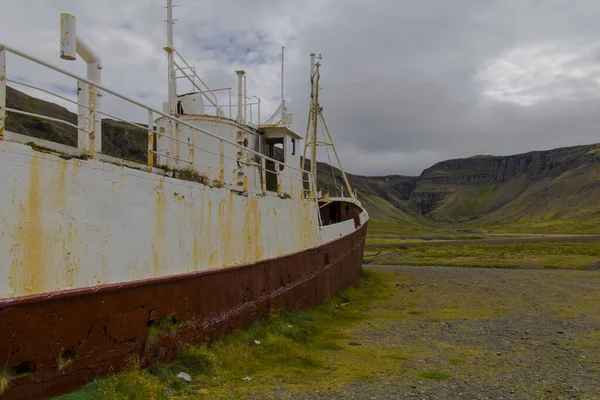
[298, 351]
[546, 254]
[435, 375]
[164, 327]
[5, 377]
[190, 174]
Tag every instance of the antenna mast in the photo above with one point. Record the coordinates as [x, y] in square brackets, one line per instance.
[315, 113]
[286, 118]
[171, 66]
[282, 100]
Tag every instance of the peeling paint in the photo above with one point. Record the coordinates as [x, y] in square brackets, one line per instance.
[73, 224]
[27, 268]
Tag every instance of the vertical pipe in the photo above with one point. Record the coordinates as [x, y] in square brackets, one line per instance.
[245, 100]
[263, 169]
[240, 104]
[282, 101]
[2, 91]
[222, 162]
[171, 67]
[229, 103]
[150, 140]
[92, 93]
[83, 139]
[68, 37]
[258, 111]
[313, 140]
[94, 70]
[278, 179]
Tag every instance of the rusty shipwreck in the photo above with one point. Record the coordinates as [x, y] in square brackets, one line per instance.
[221, 226]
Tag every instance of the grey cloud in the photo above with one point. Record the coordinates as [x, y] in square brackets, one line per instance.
[402, 83]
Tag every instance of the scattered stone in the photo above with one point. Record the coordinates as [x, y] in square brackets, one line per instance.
[184, 376]
[247, 378]
[257, 342]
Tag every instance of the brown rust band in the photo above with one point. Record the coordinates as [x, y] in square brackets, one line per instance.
[58, 342]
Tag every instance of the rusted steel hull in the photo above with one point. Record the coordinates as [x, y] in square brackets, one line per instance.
[60, 341]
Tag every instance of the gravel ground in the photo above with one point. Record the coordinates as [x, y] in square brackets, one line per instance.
[494, 333]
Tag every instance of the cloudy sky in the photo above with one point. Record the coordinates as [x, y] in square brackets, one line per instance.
[404, 83]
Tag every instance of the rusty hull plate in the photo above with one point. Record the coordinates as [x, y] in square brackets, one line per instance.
[93, 331]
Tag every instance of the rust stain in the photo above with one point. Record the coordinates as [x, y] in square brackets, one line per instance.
[201, 233]
[258, 252]
[248, 224]
[27, 267]
[158, 247]
[252, 241]
[196, 254]
[306, 232]
[59, 191]
[70, 273]
[230, 239]
[211, 253]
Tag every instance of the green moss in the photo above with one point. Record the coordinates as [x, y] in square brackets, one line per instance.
[5, 377]
[190, 174]
[545, 254]
[435, 375]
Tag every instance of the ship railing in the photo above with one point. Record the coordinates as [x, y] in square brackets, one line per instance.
[150, 128]
[209, 94]
[202, 87]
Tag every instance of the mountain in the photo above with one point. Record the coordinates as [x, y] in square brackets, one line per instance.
[557, 190]
[541, 191]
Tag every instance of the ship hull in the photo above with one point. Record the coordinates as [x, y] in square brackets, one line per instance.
[60, 341]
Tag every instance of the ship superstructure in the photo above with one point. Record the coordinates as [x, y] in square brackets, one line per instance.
[220, 227]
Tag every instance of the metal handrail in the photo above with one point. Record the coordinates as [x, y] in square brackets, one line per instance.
[47, 91]
[196, 75]
[60, 121]
[139, 104]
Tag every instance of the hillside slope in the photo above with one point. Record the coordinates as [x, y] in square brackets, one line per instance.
[555, 189]
[385, 198]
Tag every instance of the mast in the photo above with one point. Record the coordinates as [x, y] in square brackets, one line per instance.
[314, 114]
[171, 66]
[282, 100]
[313, 139]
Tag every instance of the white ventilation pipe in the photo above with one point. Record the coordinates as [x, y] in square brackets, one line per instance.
[240, 103]
[89, 97]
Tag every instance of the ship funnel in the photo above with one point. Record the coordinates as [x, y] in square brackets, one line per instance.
[68, 37]
[241, 95]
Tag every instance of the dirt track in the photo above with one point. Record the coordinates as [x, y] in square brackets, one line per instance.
[494, 333]
[582, 239]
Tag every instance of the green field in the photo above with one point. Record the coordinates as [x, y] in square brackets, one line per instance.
[547, 254]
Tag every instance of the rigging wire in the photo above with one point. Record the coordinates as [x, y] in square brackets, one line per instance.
[328, 156]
